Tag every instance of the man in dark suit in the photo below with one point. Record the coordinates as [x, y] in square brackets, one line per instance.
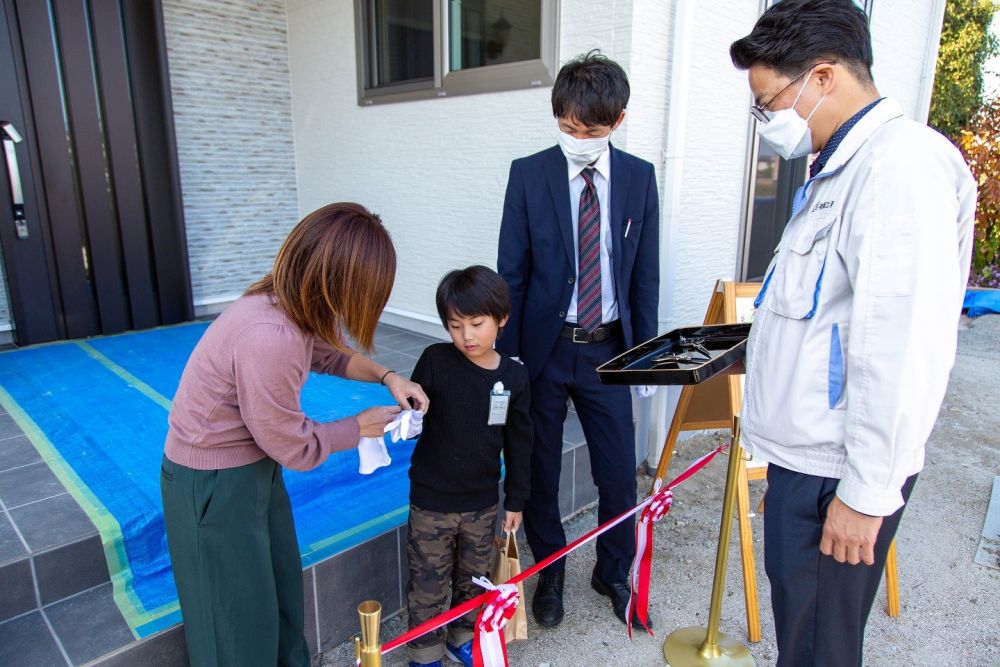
[579, 248]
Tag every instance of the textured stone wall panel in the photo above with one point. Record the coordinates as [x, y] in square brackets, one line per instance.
[232, 107]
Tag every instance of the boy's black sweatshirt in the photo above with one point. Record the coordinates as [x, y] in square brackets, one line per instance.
[456, 463]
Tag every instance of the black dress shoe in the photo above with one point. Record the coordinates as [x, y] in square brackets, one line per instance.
[619, 594]
[547, 605]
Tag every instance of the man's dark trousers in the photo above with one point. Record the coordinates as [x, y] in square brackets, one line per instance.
[605, 413]
[820, 606]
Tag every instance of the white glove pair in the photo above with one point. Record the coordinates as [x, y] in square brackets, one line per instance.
[407, 425]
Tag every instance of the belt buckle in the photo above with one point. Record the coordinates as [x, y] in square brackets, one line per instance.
[583, 332]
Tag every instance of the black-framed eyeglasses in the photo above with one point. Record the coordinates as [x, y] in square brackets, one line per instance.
[759, 111]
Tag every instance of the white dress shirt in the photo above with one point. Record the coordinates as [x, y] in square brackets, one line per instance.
[602, 183]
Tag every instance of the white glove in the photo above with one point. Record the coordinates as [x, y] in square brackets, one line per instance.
[643, 390]
[407, 425]
[373, 455]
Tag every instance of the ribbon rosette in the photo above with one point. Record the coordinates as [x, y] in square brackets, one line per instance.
[638, 602]
[488, 646]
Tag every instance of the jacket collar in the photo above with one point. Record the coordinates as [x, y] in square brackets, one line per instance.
[555, 172]
[886, 110]
[621, 177]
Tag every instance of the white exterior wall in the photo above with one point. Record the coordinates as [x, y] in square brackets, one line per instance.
[905, 37]
[436, 170]
[701, 243]
[704, 225]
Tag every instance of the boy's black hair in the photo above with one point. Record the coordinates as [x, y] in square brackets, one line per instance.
[794, 34]
[591, 88]
[476, 290]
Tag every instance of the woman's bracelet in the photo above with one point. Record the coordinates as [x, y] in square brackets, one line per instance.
[381, 380]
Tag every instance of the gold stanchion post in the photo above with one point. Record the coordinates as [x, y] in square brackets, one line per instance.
[707, 647]
[368, 648]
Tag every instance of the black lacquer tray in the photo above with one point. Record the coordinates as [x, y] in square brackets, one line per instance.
[689, 355]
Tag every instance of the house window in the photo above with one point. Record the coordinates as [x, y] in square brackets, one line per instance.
[771, 185]
[774, 181]
[403, 41]
[415, 49]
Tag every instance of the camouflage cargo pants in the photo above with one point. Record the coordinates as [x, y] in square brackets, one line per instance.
[445, 551]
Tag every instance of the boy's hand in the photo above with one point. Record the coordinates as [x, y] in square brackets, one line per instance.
[511, 522]
[372, 421]
[403, 390]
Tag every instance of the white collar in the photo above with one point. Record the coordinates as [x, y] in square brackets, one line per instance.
[886, 110]
[602, 165]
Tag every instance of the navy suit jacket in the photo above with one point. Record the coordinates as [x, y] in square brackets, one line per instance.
[537, 258]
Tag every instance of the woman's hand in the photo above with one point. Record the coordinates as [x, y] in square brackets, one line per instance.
[511, 521]
[403, 390]
[373, 420]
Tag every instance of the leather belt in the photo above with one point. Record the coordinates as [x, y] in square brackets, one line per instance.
[601, 333]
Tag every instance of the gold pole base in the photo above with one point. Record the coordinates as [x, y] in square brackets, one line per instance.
[686, 648]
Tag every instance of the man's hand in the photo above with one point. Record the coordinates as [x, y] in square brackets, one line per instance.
[849, 536]
[403, 390]
[511, 522]
[643, 391]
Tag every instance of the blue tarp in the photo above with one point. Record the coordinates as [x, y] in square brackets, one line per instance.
[101, 406]
[981, 301]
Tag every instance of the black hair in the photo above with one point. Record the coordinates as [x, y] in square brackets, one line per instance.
[476, 290]
[591, 88]
[794, 34]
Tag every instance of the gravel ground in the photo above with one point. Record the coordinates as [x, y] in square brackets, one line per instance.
[950, 605]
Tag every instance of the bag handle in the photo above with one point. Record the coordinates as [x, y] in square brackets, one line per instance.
[509, 547]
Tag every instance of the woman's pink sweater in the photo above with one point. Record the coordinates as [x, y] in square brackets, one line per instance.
[239, 396]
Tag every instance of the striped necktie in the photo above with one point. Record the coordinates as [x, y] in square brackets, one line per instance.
[588, 302]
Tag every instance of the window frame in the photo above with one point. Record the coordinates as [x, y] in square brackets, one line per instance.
[797, 166]
[525, 74]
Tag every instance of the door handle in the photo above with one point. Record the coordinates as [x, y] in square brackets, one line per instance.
[11, 137]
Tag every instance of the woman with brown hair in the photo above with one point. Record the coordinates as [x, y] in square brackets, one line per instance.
[237, 419]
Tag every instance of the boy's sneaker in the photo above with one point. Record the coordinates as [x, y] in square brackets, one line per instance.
[436, 663]
[461, 654]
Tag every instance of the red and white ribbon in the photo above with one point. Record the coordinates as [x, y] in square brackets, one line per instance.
[508, 601]
[488, 646]
[638, 602]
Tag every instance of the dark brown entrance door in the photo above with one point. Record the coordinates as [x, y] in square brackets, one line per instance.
[98, 244]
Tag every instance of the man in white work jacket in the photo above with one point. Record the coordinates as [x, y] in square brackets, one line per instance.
[856, 324]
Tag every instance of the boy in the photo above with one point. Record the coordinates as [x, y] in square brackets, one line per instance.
[480, 410]
[579, 249]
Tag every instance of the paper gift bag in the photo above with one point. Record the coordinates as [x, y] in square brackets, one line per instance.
[506, 564]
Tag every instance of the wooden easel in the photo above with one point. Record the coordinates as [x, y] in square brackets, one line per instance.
[713, 405]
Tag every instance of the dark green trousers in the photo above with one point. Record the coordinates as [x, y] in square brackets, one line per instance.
[236, 564]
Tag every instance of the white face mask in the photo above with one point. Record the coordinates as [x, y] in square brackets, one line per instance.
[582, 151]
[787, 132]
